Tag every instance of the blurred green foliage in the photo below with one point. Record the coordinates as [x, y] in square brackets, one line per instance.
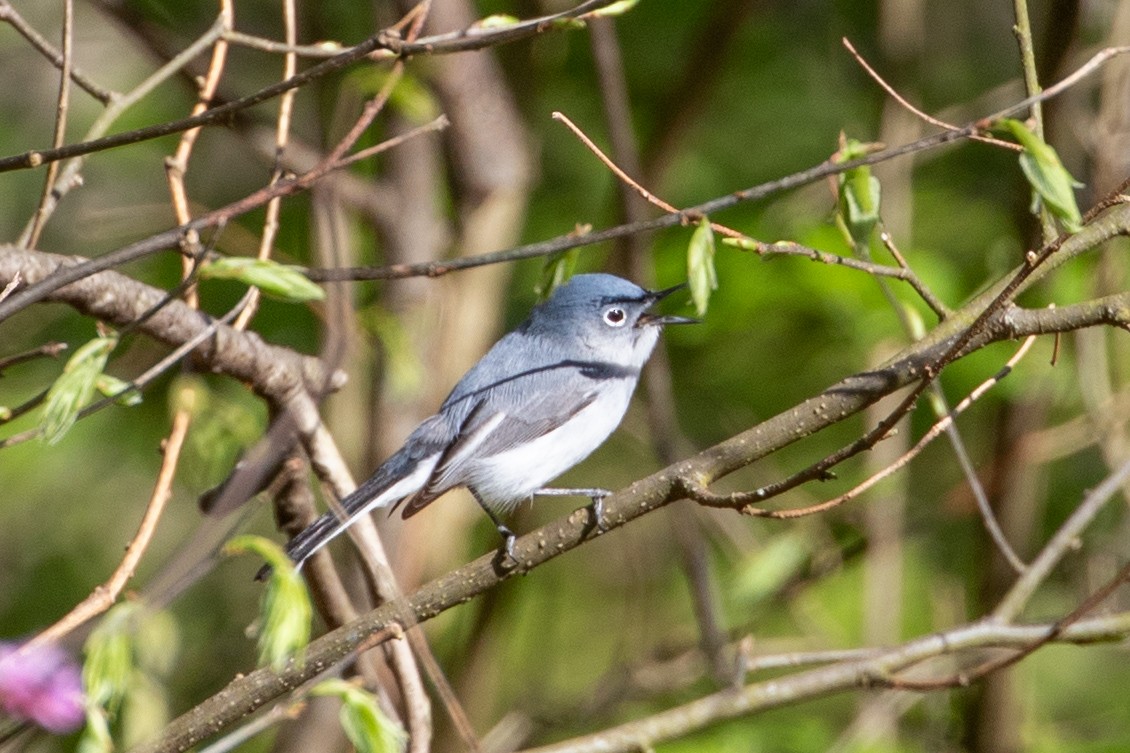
[777, 331]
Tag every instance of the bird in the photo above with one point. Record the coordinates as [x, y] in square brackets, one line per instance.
[544, 397]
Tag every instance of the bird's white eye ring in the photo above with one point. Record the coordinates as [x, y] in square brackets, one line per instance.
[615, 316]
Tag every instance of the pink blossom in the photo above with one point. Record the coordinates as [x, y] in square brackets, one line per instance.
[42, 685]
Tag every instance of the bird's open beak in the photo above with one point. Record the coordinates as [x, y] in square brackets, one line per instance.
[649, 319]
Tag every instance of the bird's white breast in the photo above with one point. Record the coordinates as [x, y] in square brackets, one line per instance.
[507, 478]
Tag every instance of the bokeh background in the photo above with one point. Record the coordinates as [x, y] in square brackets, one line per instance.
[720, 96]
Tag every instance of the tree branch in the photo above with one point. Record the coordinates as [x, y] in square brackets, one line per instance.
[843, 399]
[816, 683]
[388, 41]
[271, 370]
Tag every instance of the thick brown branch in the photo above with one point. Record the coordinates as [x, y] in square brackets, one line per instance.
[272, 371]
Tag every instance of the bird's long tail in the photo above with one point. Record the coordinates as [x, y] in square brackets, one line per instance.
[399, 477]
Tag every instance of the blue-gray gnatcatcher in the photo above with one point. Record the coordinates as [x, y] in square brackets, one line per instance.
[543, 398]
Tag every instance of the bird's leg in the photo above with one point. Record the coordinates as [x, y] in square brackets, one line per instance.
[506, 534]
[596, 495]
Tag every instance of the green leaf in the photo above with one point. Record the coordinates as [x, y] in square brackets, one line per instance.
[284, 612]
[119, 389]
[744, 244]
[1046, 174]
[701, 275]
[859, 193]
[557, 269]
[497, 21]
[364, 723]
[618, 8]
[109, 666]
[96, 735]
[74, 387]
[278, 280]
[566, 24]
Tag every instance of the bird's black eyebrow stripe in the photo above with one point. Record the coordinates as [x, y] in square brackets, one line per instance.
[624, 299]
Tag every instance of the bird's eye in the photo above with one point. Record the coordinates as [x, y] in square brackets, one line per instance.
[615, 316]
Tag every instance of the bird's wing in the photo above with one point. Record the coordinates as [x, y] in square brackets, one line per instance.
[507, 414]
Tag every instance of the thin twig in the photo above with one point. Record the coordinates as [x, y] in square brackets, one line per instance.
[391, 44]
[117, 106]
[901, 272]
[631, 182]
[164, 240]
[919, 113]
[279, 713]
[941, 408]
[12, 17]
[1023, 30]
[282, 137]
[993, 302]
[744, 500]
[711, 709]
[104, 596]
[404, 666]
[318, 50]
[61, 108]
[47, 350]
[141, 381]
[177, 165]
[744, 241]
[1060, 544]
[438, 124]
[70, 273]
[964, 678]
[936, 304]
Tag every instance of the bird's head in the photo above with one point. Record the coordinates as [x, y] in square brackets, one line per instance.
[606, 315]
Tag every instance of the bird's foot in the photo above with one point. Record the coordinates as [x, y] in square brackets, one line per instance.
[597, 508]
[505, 559]
[597, 496]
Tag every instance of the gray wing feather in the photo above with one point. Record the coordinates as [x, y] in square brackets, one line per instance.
[495, 414]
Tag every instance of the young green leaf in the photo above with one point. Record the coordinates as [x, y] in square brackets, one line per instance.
[1046, 174]
[496, 21]
[109, 666]
[744, 244]
[618, 8]
[701, 276]
[119, 389]
[96, 734]
[278, 280]
[364, 723]
[285, 612]
[857, 210]
[566, 24]
[74, 387]
[557, 269]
